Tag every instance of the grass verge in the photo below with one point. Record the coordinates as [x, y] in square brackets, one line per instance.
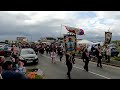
[116, 58]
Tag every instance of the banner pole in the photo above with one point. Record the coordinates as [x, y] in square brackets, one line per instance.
[60, 30]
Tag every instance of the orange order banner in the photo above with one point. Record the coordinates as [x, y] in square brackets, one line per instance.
[108, 36]
[70, 44]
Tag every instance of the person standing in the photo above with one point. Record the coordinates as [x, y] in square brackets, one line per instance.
[35, 49]
[21, 67]
[86, 53]
[47, 49]
[69, 65]
[61, 54]
[104, 53]
[14, 63]
[99, 56]
[108, 54]
[73, 58]
[14, 52]
[2, 60]
[9, 73]
[42, 49]
[53, 55]
[83, 54]
[93, 50]
[58, 50]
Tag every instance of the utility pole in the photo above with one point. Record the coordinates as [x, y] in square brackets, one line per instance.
[31, 37]
[60, 30]
[108, 29]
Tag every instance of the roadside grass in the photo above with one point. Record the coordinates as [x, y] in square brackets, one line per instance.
[112, 58]
[116, 58]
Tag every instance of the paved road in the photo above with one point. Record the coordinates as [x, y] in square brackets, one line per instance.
[58, 70]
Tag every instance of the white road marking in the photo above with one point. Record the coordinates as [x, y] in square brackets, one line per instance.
[93, 73]
[103, 65]
[83, 69]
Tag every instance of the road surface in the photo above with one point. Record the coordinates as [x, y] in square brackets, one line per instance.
[59, 70]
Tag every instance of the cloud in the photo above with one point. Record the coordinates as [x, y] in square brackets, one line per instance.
[37, 24]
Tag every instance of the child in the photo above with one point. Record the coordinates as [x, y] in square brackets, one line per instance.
[21, 67]
[53, 55]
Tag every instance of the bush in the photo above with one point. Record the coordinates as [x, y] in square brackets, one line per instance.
[116, 58]
[118, 48]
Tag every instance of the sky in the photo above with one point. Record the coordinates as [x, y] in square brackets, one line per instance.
[39, 24]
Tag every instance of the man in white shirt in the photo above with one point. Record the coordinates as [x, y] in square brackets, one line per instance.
[108, 53]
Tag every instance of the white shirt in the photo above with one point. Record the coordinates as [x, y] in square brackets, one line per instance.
[108, 52]
[53, 54]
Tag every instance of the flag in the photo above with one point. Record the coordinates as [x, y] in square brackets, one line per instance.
[75, 30]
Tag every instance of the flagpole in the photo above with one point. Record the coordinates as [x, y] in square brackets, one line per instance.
[108, 29]
[60, 30]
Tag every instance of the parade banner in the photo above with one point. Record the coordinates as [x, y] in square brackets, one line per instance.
[75, 30]
[70, 44]
[108, 37]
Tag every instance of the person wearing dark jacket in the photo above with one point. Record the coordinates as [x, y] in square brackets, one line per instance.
[86, 57]
[2, 60]
[13, 55]
[36, 49]
[83, 54]
[99, 56]
[40, 49]
[58, 50]
[47, 49]
[61, 54]
[69, 65]
[73, 58]
[15, 63]
[93, 50]
[8, 73]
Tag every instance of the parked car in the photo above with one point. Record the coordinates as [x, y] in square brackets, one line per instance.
[114, 51]
[28, 55]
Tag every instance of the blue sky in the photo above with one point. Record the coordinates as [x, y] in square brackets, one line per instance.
[86, 15]
[48, 23]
